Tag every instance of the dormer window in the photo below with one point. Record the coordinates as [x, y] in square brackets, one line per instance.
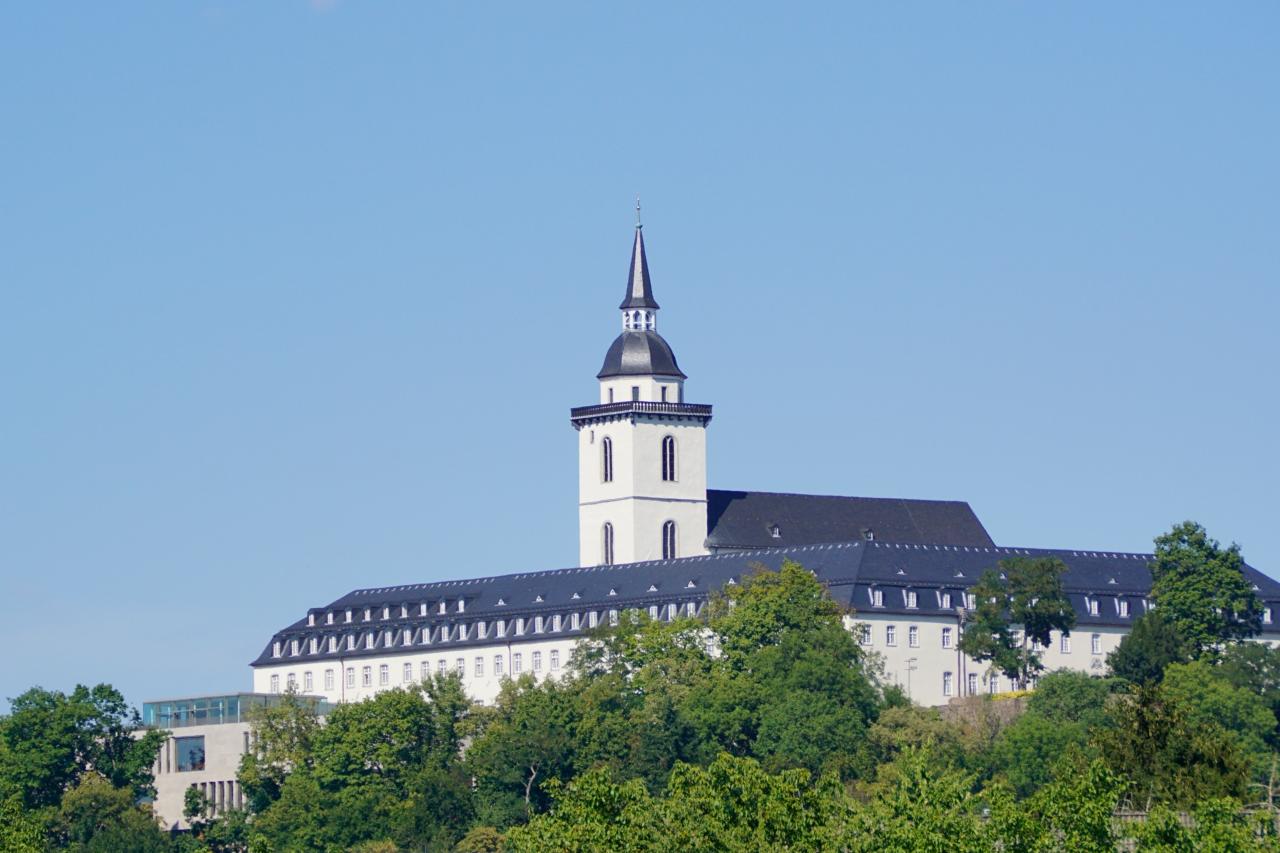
[537, 624]
[555, 622]
[462, 605]
[501, 625]
[422, 609]
[386, 612]
[426, 635]
[333, 645]
[1093, 606]
[311, 620]
[368, 614]
[775, 531]
[869, 535]
[909, 597]
[946, 601]
[519, 626]
[293, 647]
[404, 611]
[348, 614]
[444, 607]
[328, 618]
[877, 598]
[275, 649]
[1266, 616]
[1123, 607]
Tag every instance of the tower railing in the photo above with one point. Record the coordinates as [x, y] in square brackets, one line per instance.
[641, 407]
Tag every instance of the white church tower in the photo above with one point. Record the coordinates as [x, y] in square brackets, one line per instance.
[642, 451]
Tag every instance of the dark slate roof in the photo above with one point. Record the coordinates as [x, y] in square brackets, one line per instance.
[745, 519]
[851, 571]
[639, 288]
[640, 354]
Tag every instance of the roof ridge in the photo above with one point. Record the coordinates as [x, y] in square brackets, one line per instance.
[840, 497]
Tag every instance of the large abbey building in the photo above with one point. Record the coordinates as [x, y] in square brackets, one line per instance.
[652, 536]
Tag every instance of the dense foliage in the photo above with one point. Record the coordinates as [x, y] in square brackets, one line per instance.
[762, 727]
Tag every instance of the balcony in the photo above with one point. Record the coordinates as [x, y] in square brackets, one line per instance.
[629, 408]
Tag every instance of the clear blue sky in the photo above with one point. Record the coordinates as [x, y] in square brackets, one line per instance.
[295, 297]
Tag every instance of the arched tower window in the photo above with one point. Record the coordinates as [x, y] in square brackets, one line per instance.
[669, 459]
[606, 544]
[668, 540]
[606, 460]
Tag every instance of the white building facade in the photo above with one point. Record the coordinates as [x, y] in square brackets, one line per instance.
[653, 537]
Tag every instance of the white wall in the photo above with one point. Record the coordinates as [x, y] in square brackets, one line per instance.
[650, 388]
[637, 501]
[922, 667]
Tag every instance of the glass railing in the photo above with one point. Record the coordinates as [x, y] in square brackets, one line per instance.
[214, 710]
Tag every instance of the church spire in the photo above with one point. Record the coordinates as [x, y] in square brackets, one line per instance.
[639, 289]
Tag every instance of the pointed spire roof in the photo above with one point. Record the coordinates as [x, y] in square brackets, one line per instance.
[639, 289]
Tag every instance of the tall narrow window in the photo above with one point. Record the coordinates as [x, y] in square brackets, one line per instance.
[606, 545]
[669, 459]
[664, 393]
[606, 460]
[635, 393]
[668, 540]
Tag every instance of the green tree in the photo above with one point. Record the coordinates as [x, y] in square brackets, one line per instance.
[1207, 698]
[1072, 813]
[526, 738]
[917, 806]
[282, 743]
[51, 739]
[1167, 757]
[790, 686]
[1151, 645]
[1201, 588]
[21, 831]
[1025, 592]
[98, 817]
[1216, 825]
[1256, 667]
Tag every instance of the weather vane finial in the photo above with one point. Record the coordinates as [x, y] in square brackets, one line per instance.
[638, 225]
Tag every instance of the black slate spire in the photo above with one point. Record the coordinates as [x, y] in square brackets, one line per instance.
[639, 290]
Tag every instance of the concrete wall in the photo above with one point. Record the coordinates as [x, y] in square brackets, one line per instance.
[223, 745]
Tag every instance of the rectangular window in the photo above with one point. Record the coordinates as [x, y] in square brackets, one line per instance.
[190, 753]
[555, 660]
[426, 670]
[291, 682]
[384, 675]
[351, 676]
[973, 684]
[406, 674]
[442, 666]
[691, 609]
[946, 638]
[911, 599]
[970, 601]
[517, 663]
[307, 683]
[1093, 606]
[482, 629]
[519, 627]
[502, 628]
[537, 624]
[877, 598]
[635, 393]
[1064, 645]
[946, 601]
[946, 684]
[891, 635]
[426, 635]
[610, 395]
[368, 640]
[367, 614]
[593, 619]
[408, 636]
[275, 684]
[993, 684]
[653, 611]
[275, 649]
[1266, 616]
[1096, 644]
[555, 622]
[865, 631]
[1124, 609]
[497, 664]
[333, 645]
[479, 667]
[328, 679]
[664, 393]
[575, 622]
[347, 614]
[461, 666]
[366, 676]
[537, 661]
[613, 618]
[913, 637]
[386, 612]
[293, 646]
